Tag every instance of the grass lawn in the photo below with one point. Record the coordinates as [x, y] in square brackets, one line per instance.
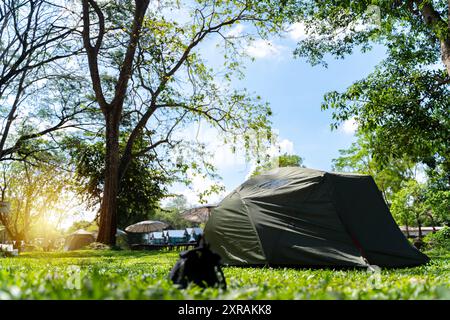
[143, 275]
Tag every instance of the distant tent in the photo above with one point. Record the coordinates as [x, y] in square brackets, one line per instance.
[305, 217]
[199, 214]
[78, 240]
[122, 239]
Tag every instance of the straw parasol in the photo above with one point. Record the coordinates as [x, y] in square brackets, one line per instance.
[146, 226]
[199, 214]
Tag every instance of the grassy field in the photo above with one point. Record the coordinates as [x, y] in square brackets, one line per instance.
[143, 275]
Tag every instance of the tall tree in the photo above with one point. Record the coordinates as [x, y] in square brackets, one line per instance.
[38, 90]
[148, 76]
[142, 187]
[406, 98]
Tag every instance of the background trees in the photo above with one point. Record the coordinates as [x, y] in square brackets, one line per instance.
[39, 90]
[285, 160]
[172, 213]
[149, 86]
[35, 194]
[363, 157]
[405, 100]
[152, 80]
[141, 189]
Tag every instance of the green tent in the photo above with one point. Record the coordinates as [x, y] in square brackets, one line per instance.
[78, 240]
[311, 218]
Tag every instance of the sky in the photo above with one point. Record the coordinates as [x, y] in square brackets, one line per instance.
[295, 91]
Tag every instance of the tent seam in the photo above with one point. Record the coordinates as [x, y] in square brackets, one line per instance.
[253, 227]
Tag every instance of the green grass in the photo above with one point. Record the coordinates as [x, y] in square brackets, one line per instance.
[143, 275]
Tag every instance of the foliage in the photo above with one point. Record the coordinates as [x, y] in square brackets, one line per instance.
[439, 239]
[172, 213]
[144, 275]
[173, 218]
[405, 99]
[285, 160]
[40, 85]
[141, 188]
[98, 246]
[416, 204]
[411, 202]
[36, 193]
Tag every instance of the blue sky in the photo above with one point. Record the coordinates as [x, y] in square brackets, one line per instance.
[295, 92]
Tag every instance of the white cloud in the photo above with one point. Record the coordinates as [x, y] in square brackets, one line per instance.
[297, 31]
[236, 31]
[223, 158]
[286, 146]
[349, 126]
[198, 185]
[10, 100]
[263, 49]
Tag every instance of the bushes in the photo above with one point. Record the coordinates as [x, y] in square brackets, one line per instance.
[438, 240]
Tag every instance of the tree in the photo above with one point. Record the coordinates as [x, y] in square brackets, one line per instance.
[35, 193]
[172, 213]
[142, 186]
[147, 76]
[414, 204]
[406, 98]
[37, 40]
[438, 204]
[285, 160]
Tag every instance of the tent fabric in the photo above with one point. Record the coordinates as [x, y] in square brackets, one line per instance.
[78, 240]
[310, 218]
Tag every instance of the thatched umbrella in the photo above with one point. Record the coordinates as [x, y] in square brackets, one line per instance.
[146, 226]
[199, 214]
[120, 233]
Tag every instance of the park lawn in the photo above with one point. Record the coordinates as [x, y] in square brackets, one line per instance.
[144, 275]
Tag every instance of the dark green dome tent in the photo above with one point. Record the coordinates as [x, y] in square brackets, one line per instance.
[310, 218]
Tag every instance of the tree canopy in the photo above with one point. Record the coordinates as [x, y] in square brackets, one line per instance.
[149, 78]
[284, 160]
[405, 99]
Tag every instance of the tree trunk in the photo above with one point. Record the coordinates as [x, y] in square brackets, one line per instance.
[108, 208]
[433, 19]
[419, 225]
[445, 54]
